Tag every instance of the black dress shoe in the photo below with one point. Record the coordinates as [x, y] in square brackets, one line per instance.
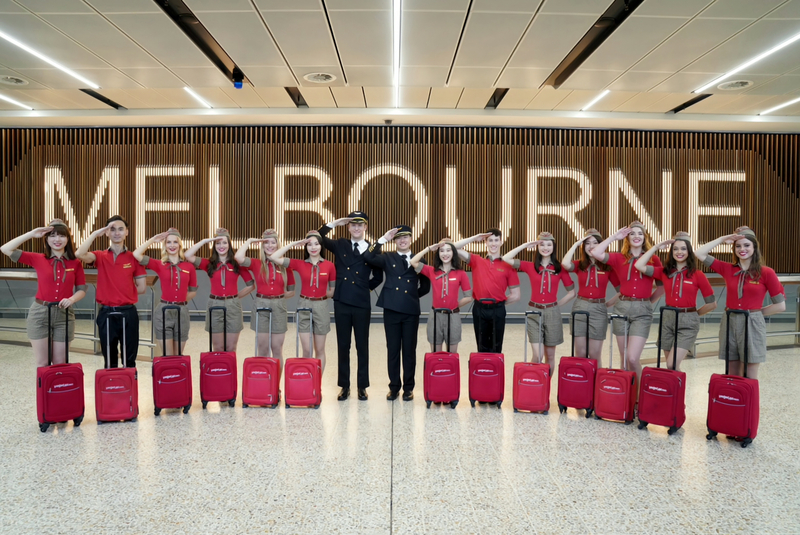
[362, 394]
[344, 393]
[392, 395]
[408, 396]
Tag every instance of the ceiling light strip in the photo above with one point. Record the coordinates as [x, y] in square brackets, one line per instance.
[779, 106]
[397, 10]
[748, 63]
[197, 97]
[15, 103]
[597, 99]
[46, 59]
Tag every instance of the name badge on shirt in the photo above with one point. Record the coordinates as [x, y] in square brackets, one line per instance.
[185, 271]
[323, 273]
[126, 266]
[70, 269]
[688, 282]
[754, 282]
[453, 279]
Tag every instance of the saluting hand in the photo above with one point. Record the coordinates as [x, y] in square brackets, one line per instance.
[664, 244]
[434, 247]
[342, 221]
[41, 232]
[621, 233]
[533, 244]
[101, 231]
[159, 237]
[482, 236]
[390, 234]
[732, 238]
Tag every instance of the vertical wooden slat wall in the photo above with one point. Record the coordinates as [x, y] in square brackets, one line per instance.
[227, 176]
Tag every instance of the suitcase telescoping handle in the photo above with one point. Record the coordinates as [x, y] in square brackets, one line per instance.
[108, 340]
[447, 312]
[674, 340]
[541, 342]
[265, 309]
[310, 330]
[746, 314]
[611, 319]
[178, 330]
[575, 328]
[50, 335]
[224, 327]
[488, 301]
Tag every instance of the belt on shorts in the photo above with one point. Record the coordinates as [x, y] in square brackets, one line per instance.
[744, 310]
[538, 305]
[265, 296]
[116, 309]
[691, 309]
[177, 303]
[588, 300]
[222, 297]
[627, 298]
[314, 298]
[490, 305]
[45, 303]
[446, 310]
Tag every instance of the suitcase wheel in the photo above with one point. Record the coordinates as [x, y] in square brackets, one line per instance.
[516, 410]
[43, 427]
[746, 441]
[453, 404]
[186, 409]
[205, 403]
[99, 422]
[472, 402]
[245, 405]
[428, 403]
[288, 406]
[545, 412]
[78, 421]
[628, 422]
[596, 417]
[273, 406]
[589, 413]
[231, 402]
[642, 425]
[156, 411]
[134, 419]
[316, 406]
[672, 430]
[499, 403]
[561, 409]
[711, 434]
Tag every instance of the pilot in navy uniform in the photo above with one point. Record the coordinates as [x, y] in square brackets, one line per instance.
[351, 301]
[400, 302]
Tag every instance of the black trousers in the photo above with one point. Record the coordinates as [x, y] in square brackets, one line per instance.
[401, 335]
[485, 318]
[115, 316]
[350, 319]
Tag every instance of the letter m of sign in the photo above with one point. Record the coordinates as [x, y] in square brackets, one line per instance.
[54, 185]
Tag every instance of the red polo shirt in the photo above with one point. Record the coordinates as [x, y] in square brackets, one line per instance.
[591, 287]
[176, 280]
[324, 275]
[491, 278]
[544, 285]
[445, 285]
[753, 291]
[230, 285]
[639, 286]
[53, 285]
[688, 285]
[115, 277]
[272, 284]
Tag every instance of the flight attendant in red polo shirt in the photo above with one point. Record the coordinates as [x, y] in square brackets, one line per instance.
[682, 281]
[637, 296]
[61, 280]
[178, 280]
[593, 280]
[318, 279]
[491, 277]
[223, 270]
[274, 285]
[120, 280]
[545, 272]
[747, 282]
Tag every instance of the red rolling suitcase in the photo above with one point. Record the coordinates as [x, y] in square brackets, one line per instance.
[59, 387]
[218, 372]
[532, 380]
[261, 376]
[576, 376]
[303, 377]
[442, 371]
[487, 373]
[662, 392]
[733, 401]
[116, 390]
[615, 390]
[172, 376]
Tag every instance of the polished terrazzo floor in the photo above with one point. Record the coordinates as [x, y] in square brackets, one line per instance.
[392, 467]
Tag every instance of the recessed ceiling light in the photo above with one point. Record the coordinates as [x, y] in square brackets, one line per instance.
[51, 61]
[319, 77]
[13, 80]
[15, 103]
[776, 108]
[748, 63]
[197, 97]
[596, 100]
[733, 85]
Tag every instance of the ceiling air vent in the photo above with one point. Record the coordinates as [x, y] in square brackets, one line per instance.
[12, 80]
[733, 85]
[319, 77]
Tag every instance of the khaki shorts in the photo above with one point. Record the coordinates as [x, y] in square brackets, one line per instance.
[172, 314]
[756, 337]
[234, 315]
[279, 315]
[598, 320]
[321, 311]
[441, 328]
[552, 329]
[640, 318]
[37, 322]
[688, 327]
